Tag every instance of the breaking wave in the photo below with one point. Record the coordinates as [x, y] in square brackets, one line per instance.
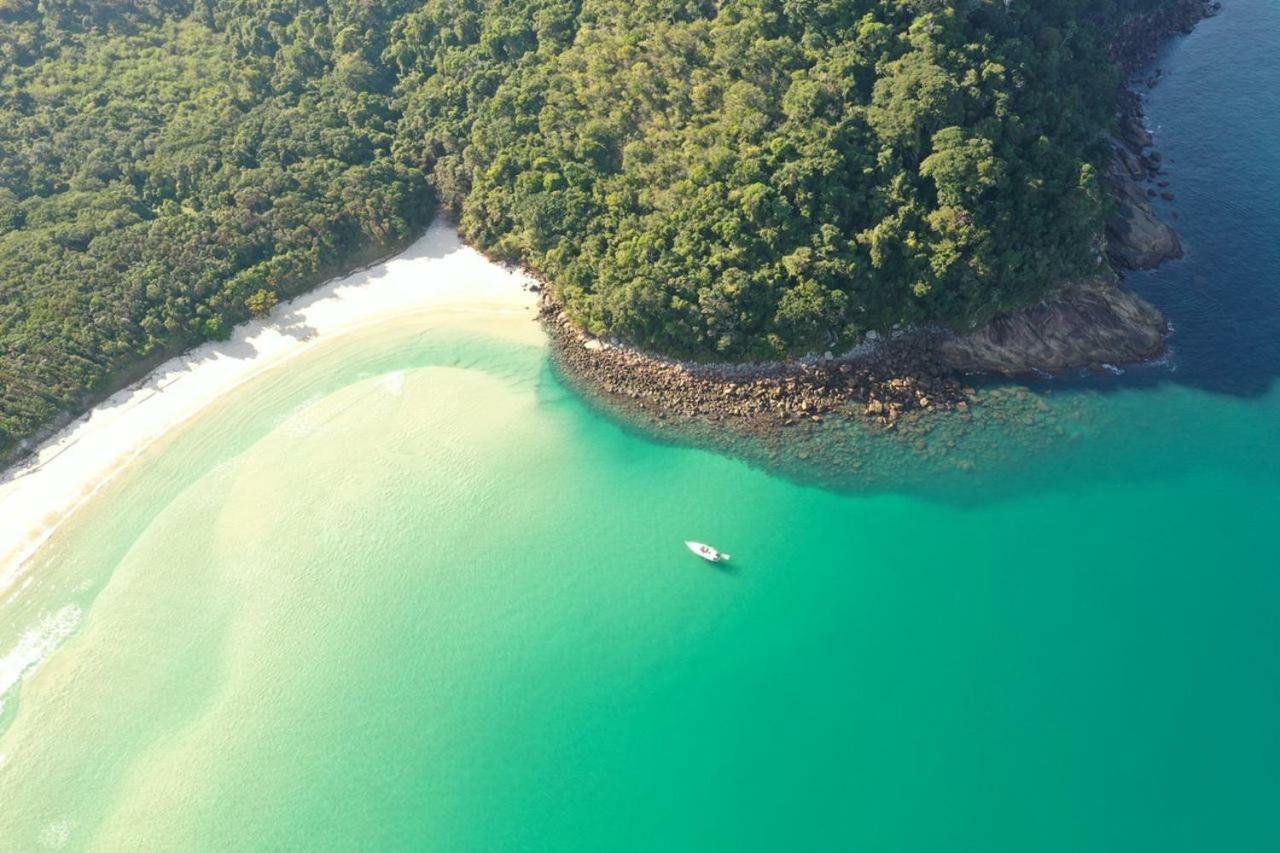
[35, 645]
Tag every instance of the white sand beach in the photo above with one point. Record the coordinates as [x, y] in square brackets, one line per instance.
[436, 273]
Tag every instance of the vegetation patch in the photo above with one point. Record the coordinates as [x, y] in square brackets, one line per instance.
[734, 180]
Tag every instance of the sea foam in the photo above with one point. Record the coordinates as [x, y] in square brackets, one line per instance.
[36, 644]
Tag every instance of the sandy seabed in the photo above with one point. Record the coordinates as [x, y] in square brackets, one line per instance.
[437, 272]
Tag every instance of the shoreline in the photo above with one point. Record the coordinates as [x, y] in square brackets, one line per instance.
[137, 372]
[436, 272]
[880, 382]
[1092, 324]
[1138, 238]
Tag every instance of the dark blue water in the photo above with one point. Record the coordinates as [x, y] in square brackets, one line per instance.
[1216, 119]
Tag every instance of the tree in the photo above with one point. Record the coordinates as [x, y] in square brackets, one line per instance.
[261, 302]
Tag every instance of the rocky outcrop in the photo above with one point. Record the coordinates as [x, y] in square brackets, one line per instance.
[1137, 239]
[1083, 324]
[1136, 43]
[883, 382]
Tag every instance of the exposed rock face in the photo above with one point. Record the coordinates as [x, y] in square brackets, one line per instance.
[889, 380]
[1137, 42]
[1136, 237]
[1084, 324]
[1089, 323]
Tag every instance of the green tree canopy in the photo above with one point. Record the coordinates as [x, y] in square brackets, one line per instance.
[735, 179]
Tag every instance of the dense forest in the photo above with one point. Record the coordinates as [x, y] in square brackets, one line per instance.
[731, 179]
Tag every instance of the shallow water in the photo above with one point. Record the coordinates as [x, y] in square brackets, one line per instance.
[410, 592]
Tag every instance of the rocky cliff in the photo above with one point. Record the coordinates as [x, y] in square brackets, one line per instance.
[1137, 239]
[1098, 321]
[1083, 324]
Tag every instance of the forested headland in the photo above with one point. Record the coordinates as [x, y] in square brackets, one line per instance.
[733, 180]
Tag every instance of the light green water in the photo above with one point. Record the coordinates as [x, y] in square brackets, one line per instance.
[409, 593]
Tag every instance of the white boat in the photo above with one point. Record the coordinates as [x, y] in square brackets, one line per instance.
[706, 552]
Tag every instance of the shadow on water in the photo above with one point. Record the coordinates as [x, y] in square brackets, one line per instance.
[731, 569]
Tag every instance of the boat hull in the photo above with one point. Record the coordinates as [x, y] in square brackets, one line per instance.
[706, 552]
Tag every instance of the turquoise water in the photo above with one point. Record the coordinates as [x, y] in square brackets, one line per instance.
[412, 593]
